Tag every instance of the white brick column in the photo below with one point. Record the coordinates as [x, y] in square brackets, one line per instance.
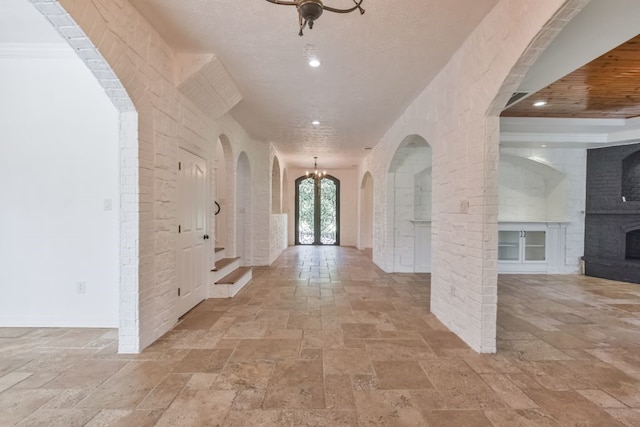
[457, 114]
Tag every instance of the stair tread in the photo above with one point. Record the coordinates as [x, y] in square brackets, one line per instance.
[234, 276]
[222, 263]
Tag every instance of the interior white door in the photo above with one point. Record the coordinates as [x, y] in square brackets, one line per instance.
[191, 257]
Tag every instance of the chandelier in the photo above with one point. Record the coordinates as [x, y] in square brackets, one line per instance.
[310, 10]
[316, 174]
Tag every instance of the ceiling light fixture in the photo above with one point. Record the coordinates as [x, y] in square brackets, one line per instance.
[316, 174]
[540, 103]
[310, 10]
[314, 63]
[315, 122]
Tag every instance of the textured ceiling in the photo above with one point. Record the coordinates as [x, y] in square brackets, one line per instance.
[373, 65]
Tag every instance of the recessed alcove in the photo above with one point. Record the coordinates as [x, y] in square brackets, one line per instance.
[531, 191]
[631, 177]
[409, 206]
[632, 246]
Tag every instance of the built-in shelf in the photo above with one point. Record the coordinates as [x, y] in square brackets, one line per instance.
[530, 247]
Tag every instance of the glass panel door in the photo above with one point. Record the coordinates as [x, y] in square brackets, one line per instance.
[509, 245]
[534, 245]
[328, 212]
[306, 212]
[317, 211]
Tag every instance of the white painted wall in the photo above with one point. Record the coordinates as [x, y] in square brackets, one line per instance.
[348, 203]
[59, 162]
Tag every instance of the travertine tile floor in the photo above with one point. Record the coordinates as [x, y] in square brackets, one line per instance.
[323, 337]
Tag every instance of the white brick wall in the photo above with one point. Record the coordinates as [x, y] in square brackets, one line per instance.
[457, 115]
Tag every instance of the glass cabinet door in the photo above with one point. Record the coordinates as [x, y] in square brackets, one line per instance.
[508, 245]
[534, 245]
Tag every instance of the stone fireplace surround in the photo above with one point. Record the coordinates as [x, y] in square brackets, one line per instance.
[612, 229]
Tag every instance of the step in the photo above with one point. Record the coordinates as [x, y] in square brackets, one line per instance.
[222, 263]
[218, 254]
[234, 276]
[222, 268]
[230, 284]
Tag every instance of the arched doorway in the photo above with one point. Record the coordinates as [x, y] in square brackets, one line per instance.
[408, 238]
[224, 194]
[317, 211]
[276, 193]
[366, 212]
[243, 210]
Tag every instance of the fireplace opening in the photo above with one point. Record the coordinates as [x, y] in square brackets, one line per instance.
[633, 245]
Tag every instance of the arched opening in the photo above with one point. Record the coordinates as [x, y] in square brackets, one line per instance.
[317, 219]
[276, 193]
[408, 236]
[285, 192]
[224, 194]
[58, 121]
[243, 210]
[547, 184]
[366, 212]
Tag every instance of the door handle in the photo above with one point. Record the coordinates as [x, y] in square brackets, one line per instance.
[205, 237]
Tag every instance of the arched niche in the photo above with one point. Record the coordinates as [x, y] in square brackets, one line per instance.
[407, 237]
[531, 191]
[366, 211]
[276, 193]
[631, 177]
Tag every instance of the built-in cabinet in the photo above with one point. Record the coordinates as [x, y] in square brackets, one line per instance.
[523, 247]
[531, 247]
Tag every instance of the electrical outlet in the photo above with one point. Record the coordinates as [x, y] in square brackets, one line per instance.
[107, 204]
[81, 287]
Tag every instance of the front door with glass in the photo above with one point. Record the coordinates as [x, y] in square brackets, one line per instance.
[317, 211]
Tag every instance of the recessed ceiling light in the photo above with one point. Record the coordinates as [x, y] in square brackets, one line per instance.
[540, 103]
[544, 145]
[315, 122]
[314, 63]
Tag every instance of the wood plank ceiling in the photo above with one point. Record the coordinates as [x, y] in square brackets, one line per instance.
[607, 87]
